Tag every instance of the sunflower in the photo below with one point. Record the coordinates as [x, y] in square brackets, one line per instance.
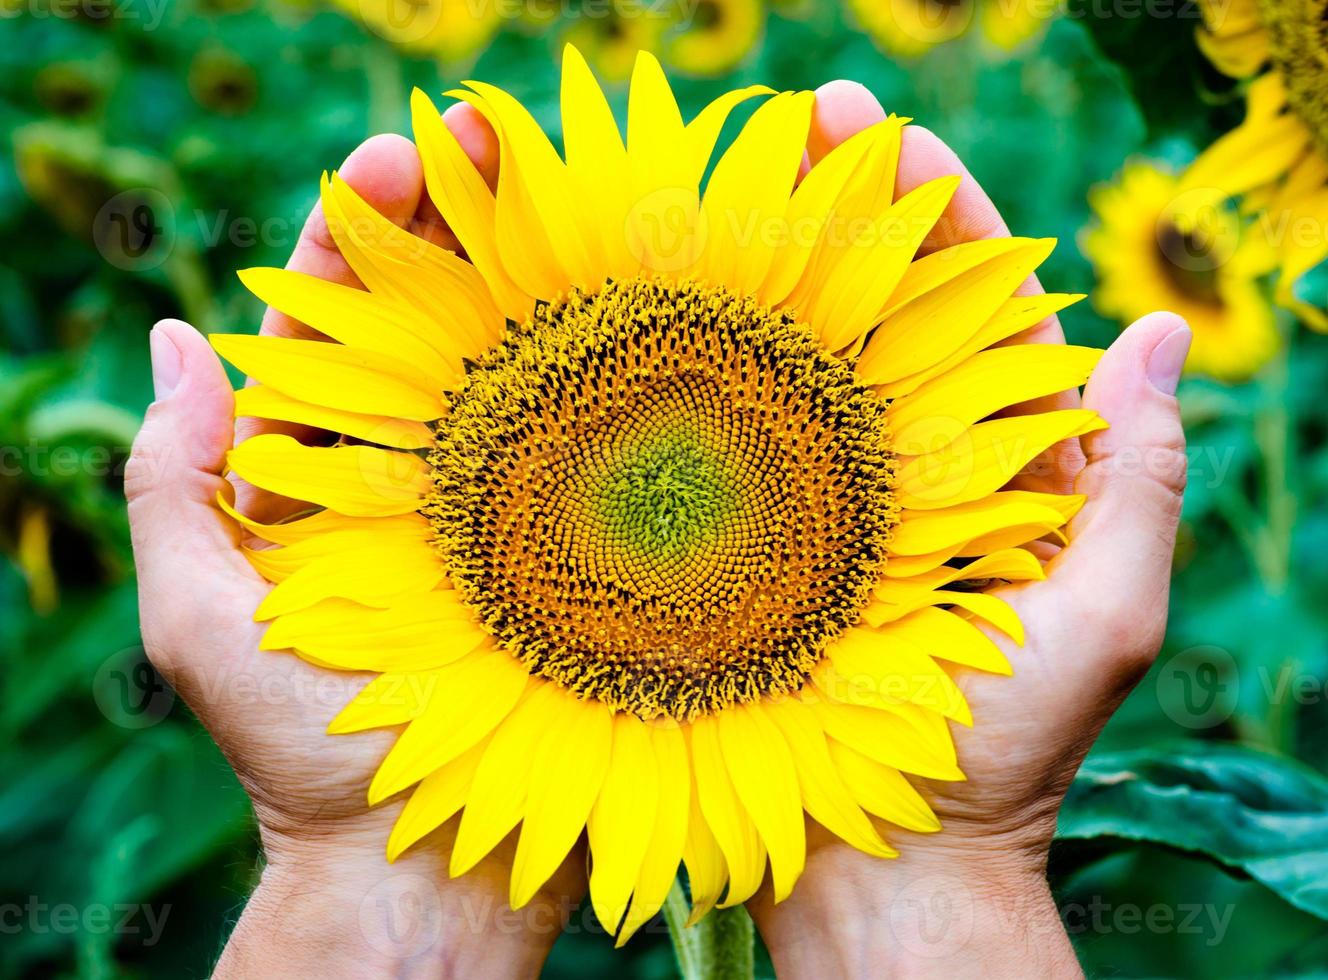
[908, 28]
[612, 37]
[1155, 248]
[715, 35]
[450, 30]
[659, 514]
[1277, 159]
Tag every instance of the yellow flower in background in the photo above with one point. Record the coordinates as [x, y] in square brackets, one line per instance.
[450, 30]
[1278, 158]
[659, 514]
[913, 27]
[1157, 248]
[611, 39]
[539, 15]
[714, 36]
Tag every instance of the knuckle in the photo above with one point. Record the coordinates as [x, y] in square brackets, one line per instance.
[146, 458]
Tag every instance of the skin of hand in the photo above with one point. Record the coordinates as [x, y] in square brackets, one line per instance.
[327, 904]
[327, 900]
[973, 900]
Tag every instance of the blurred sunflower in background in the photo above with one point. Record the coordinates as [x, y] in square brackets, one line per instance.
[1155, 248]
[669, 518]
[908, 28]
[449, 30]
[612, 37]
[1278, 158]
[714, 36]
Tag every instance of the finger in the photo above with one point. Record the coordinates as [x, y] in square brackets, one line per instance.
[1121, 543]
[971, 216]
[480, 143]
[841, 109]
[174, 474]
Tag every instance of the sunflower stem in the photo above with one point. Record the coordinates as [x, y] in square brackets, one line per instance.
[719, 947]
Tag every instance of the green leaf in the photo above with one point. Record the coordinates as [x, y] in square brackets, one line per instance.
[1251, 812]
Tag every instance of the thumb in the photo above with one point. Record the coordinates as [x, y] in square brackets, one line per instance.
[174, 470]
[1121, 543]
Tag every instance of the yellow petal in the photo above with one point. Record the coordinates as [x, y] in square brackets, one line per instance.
[1256, 153]
[1013, 317]
[1012, 564]
[766, 781]
[360, 320]
[358, 481]
[922, 531]
[882, 790]
[867, 194]
[748, 194]
[377, 574]
[659, 869]
[986, 457]
[389, 699]
[811, 211]
[419, 632]
[323, 523]
[621, 819]
[568, 771]
[848, 302]
[662, 225]
[724, 813]
[535, 196]
[706, 871]
[888, 737]
[306, 543]
[701, 134]
[938, 411]
[930, 272]
[596, 162]
[438, 797]
[412, 272]
[949, 637]
[260, 401]
[334, 375]
[824, 794]
[925, 331]
[497, 798]
[468, 700]
[466, 204]
[886, 670]
[993, 609]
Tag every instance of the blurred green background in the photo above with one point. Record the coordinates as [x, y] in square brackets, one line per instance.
[155, 146]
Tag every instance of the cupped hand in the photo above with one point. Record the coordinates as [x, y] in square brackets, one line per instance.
[973, 899]
[328, 901]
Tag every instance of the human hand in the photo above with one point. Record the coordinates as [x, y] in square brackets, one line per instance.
[973, 899]
[328, 901]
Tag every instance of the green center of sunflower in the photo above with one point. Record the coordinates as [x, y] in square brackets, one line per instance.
[664, 497]
[1298, 35]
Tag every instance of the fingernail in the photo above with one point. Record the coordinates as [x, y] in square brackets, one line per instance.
[166, 363]
[1168, 360]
